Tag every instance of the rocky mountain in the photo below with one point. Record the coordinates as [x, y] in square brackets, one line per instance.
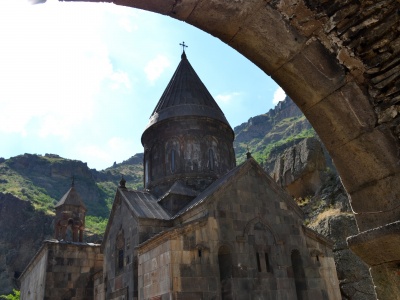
[22, 231]
[269, 134]
[282, 140]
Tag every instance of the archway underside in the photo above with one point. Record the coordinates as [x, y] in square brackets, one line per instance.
[340, 62]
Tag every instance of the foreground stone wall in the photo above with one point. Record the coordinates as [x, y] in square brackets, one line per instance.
[62, 271]
[33, 284]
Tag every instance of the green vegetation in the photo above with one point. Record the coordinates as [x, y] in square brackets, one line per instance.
[96, 225]
[43, 180]
[15, 295]
[24, 188]
[262, 152]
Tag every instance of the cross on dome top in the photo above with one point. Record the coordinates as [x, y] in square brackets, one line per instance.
[183, 46]
[183, 56]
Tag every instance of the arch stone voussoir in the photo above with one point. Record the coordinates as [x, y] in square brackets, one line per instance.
[311, 75]
[347, 114]
[368, 158]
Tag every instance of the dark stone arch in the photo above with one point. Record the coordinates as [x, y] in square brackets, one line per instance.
[250, 226]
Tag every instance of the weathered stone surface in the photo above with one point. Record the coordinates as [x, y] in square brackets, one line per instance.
[369, 153]
[249, 39]
[311, 75]
[347, 114]
[254, 260]
[387, 280]
[299, 168]
[61, 270]
[353, 273]
[377, 246]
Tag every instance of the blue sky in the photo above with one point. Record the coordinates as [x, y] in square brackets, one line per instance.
[81, 79]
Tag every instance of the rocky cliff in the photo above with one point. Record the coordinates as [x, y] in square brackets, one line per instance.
[269, 134]
[299, 168]
[22, 231]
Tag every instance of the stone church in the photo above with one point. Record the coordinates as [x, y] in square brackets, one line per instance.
[202, 228]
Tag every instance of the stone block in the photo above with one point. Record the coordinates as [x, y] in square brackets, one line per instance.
[250, 38]
[193, 284]
[342, 116]
[188, 296]
[164, 7]
[377, 246]
[283, 283]
[376, 204]
[310, 76]
[367, 158]
[176, 244]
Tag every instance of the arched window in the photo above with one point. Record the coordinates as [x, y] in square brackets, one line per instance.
[120, 258]
[119, 252]
[299, 275]
[211, 159]
[173, 160]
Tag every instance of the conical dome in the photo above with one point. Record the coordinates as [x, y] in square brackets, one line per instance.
[186, 95]
[188, 138]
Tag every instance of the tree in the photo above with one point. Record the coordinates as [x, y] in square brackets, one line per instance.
[15, 295]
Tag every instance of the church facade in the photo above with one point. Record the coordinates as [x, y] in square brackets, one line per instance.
[204, 228]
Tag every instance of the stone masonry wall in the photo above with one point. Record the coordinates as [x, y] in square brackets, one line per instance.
[62, 271]
[33, 284]
[70, 268]
[243, 250]
[125, 233]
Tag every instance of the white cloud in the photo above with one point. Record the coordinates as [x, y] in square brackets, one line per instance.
[279, 95]
[53, 65]
[103, 156]
[125, 23]
[156, 67]
[226, 98]
[120, 78]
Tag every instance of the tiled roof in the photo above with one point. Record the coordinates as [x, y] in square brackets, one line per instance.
[186, 95]
[144, 204]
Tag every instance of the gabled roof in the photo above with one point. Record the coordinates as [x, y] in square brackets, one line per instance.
[186, 95]
[71, 198]
[179, 188]
[229, 177]
[144, 204]
[215, 186]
